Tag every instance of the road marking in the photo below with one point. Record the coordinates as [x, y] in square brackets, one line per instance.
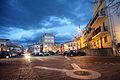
[67, 58]
[71, 73]
[40, 59]
[24, 68]
[48, 68]
[75, 66]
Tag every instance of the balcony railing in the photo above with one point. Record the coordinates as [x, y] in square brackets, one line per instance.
[101, 13]
[98, 30]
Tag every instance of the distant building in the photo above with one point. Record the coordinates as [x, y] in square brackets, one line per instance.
[48, 41]
[6, 45]
[13, 47]
[58, 48]
[35, 48]
[3, 44]
[70, 45]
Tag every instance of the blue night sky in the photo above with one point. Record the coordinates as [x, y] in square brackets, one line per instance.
[24, 21]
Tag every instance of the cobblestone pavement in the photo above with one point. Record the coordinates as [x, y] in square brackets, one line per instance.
[16, 68]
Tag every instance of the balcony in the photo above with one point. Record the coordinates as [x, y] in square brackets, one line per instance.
[98, 32]
[100, 16]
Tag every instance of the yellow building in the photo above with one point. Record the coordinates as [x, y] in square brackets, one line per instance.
[83, 39]
[98, 27]
[102, 31]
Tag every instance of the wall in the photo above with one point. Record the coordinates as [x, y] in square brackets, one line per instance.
[98, 52]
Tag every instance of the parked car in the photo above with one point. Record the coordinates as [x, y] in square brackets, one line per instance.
[44, 54]
[13, 54]
[41, 54]
[51, 52]
[5, 54]
[71, 53]
[66, 53]
[35, 54]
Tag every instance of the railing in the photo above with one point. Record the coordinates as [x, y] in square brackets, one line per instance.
[96, 31]
[100, 29]
[100, 13]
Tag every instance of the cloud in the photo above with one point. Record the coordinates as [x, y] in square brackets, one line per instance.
[54, 21]
[17, 33]
[27, 20]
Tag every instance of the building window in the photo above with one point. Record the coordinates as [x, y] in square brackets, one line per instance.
[105, 39]
[94, 44]
[103, 24]
[97, 42]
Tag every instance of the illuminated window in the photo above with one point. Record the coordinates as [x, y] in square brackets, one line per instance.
[105, 39]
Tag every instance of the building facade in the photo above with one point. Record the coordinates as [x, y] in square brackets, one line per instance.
[102, 30]
[3, 44]
[48, 41]
[6, 45]
[35, 48]
[99, 35]
[70, 45]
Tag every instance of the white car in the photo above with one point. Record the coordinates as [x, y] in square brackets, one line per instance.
[13, 54]
[44, 54]
[41, 54]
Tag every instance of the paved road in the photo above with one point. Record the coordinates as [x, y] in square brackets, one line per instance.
[56, 68]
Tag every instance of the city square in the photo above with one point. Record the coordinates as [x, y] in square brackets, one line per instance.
[16, 68]
[59, 39]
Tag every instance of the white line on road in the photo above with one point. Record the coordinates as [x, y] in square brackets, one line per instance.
[24, 68]
[75, 66]
[48, 68]
[71, 73]
[40, 59]
[67, 58]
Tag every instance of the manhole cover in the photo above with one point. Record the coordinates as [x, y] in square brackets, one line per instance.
[82, 73]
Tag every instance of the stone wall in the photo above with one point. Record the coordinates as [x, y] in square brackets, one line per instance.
[98, 52]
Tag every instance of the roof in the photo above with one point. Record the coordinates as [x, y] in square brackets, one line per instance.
[2, 39]
[48, 34]
[13, 45]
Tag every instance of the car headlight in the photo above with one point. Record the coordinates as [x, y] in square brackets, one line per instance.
[27, 56]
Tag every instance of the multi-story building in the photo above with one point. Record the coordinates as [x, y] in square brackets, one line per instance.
[58, 48]
[35, 48]
[103, 29]
[48, 42]
[6, 45]
[83, 40]
[3, 44]
[14, 47]
[99, 35]
[70, 45]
